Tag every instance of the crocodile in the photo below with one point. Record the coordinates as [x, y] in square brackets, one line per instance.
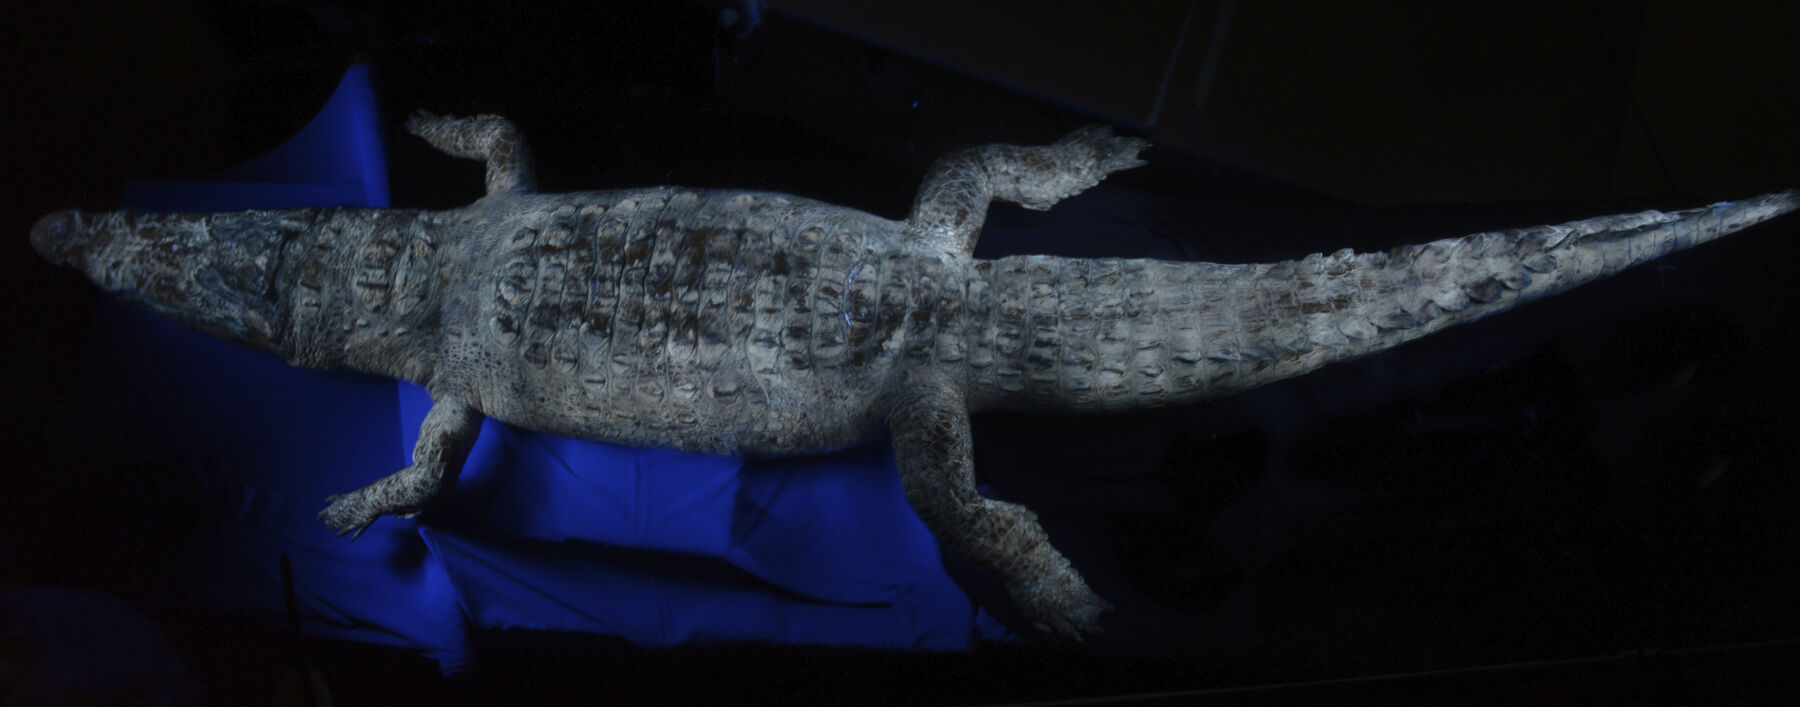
[761, 324]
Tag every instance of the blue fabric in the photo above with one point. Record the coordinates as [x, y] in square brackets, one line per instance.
[269, 441]
[337, 159]
[541, 532]
[546, 532]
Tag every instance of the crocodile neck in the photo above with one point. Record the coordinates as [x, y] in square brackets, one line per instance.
[366, 290]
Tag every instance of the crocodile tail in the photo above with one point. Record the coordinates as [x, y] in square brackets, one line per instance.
[1096, 335]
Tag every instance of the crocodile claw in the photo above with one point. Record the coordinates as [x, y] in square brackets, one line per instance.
[1109, 152]
[1062, 605]
[420, 118]
[347, 514]
[1083, 158]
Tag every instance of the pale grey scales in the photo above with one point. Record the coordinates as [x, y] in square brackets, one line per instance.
[758, 324]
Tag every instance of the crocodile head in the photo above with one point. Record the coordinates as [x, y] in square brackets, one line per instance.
[215, 272]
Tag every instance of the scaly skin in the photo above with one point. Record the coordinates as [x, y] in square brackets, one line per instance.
[762, 324]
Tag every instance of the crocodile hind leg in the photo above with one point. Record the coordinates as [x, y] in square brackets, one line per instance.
[444, 441]
[490, 138]
[953, 201]
[932, 447]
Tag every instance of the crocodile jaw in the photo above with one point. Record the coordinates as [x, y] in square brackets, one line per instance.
[216, 272]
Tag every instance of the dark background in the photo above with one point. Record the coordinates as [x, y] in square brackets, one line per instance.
[1607, 474]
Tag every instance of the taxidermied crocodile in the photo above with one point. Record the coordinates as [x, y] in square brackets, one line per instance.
[761, 324]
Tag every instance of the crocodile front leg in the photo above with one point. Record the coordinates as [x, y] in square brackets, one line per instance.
[489, 138]
[931, 445]
[953, 201]
[444, 441]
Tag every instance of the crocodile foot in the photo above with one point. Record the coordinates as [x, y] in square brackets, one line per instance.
[1110, 153]
[1080, 160]
[348, 513]
[1061, 604]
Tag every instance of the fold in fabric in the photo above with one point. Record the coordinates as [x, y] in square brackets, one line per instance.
[819, 549]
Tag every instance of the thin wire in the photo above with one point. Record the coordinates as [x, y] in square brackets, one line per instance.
[1637, 110]
[1203, 86]
[1162, 87]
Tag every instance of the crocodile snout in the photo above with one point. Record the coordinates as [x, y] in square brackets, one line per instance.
[50, 236]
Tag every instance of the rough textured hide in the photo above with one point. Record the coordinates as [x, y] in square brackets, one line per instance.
[757, 324]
